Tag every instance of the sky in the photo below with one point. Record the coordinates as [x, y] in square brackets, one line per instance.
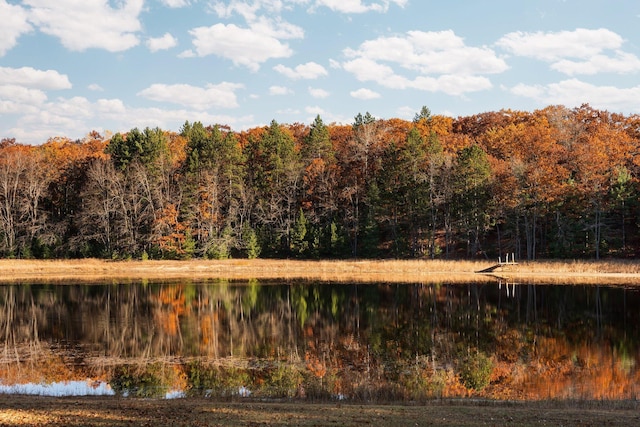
[88, 387]
[69, 67]
[64, 388]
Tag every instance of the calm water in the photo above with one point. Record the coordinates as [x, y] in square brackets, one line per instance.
[342, 340]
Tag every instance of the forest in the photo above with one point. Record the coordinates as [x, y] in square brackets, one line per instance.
[552, 183]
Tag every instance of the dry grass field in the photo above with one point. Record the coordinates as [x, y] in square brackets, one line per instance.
[613, 272]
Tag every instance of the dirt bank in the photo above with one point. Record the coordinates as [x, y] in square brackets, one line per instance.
[113, 411]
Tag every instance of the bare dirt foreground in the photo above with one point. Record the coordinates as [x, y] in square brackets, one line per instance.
[113, 411]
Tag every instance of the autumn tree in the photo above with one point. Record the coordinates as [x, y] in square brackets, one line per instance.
[214, 171]
[531, 174]
[274, 173]
[98, 230]
[600, 150]
[64, 164]
[473, 174]
[36, 181]
[390, 194]
[141, 188]
[319, 196]
[405, 181]
[428, 160]
[357, 161]
[13, 164]
[25, 175]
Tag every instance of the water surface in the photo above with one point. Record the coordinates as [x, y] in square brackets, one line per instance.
[325, 340]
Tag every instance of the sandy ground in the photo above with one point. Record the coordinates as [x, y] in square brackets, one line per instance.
[114, 411]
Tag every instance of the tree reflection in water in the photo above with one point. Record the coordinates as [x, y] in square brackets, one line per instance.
[321, 340]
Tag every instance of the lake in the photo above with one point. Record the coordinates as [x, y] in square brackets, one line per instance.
[311, 340]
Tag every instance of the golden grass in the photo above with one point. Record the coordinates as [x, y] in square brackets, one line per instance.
[99, 270]
[606, 272]
[397, 271]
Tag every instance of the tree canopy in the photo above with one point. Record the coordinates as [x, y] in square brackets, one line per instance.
[551, 183]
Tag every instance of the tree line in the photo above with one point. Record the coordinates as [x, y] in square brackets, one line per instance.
[552, 183]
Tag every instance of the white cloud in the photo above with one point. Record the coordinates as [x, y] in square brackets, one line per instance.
[19, 99]
[279, 90]
[431, 61]
[187, 54]
[406, 112]
[366, 70]
[167, 41]
[173, 119]
[276, 27]
[581, 51]
[580, 43]
[75, 107]
[440, 52]
[40, 118]
[621, 63]
[242, 46]
[315, 110]
[110, 106]
[318, 93]
[310, 70]
[61, 117]
[175, 3]
[249, 9]
[85, 24]
[288, 112]
[32, 78]
[95, 87]
[76, 116]
[219, 96]
[327, 116]
[254, 44]
[364, 93]
[574, 92]
[456, 85]
[357, 6]
[243, 8]
[14, 24]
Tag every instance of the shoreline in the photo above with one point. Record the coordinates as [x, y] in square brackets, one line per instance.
[609, 272]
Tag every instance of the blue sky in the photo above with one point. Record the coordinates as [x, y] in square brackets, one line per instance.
[68, 67]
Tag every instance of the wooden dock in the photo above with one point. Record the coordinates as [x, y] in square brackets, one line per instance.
[501, 265]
